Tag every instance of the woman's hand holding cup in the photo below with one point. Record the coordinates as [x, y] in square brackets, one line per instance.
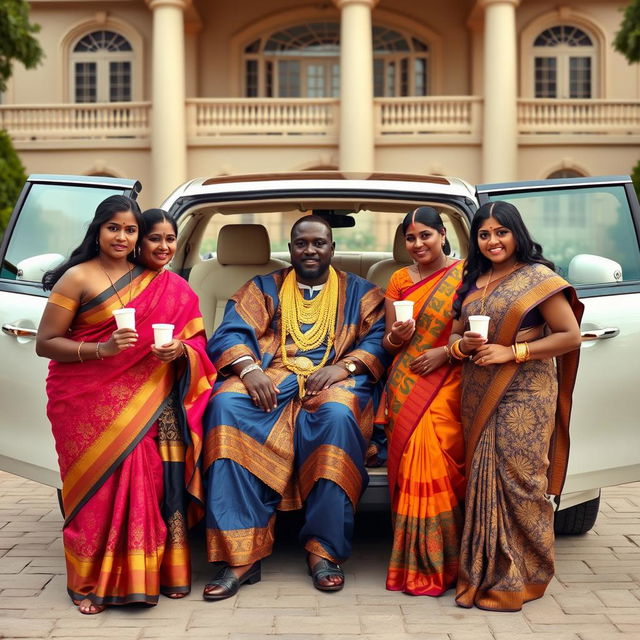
[168, 352]
[120, 340]
[471, 340]
[401, 331]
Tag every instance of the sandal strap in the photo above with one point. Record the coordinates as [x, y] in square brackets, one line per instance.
[225, 579]
[325, 568]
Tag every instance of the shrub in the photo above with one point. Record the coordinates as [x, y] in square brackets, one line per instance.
[12, 178]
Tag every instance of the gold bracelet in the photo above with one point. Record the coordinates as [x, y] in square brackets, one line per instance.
[391, 342]
[521, 352]
[447, 352]
[456, 352]
[80, 347]
[98, 354]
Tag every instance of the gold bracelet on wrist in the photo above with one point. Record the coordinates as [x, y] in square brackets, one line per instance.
[98, 354]
[456, 352]
[521, 352]
[391, 342]
[447, 352]
[79, 354]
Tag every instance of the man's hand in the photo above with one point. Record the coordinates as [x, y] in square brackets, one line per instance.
[324, 378]
[261, 390]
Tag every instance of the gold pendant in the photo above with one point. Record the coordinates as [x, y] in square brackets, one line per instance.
[303, 363]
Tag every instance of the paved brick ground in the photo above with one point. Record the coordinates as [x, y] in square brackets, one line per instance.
[595, 596]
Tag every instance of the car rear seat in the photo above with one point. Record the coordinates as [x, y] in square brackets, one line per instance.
[243, 252]
[380, 272]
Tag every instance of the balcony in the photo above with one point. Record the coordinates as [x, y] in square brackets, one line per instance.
[295, 121]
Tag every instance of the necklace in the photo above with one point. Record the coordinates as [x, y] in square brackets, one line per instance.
[319, 312]
[122, 304]
[486, 286]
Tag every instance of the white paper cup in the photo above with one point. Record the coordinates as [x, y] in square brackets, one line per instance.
[479, 324]
[404, 310]
[162, 334]
[125, 318]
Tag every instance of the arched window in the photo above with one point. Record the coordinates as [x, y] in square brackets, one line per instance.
[304, 61]
[565, 173]
[101, 68]
[564, 63]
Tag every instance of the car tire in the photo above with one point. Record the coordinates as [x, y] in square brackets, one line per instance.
[576, 520]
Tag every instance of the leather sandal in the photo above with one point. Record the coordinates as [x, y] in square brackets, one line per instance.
[324, 569]
[228, 583]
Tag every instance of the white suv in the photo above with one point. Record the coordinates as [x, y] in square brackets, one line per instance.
[588, 226]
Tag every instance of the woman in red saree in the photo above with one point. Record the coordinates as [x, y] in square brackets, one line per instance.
[515, 404]
[422, 415]
[126, 419]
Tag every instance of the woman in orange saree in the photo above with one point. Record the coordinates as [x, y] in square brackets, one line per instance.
[422, 415]
[515, 409]
[126, 420]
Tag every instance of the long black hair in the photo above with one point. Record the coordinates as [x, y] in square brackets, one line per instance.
[527, 250]
[429, 217]
[89, 247]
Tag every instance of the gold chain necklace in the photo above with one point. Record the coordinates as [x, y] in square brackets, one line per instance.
[114, 288]
[319, 312]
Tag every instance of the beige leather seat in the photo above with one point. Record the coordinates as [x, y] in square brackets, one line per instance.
[243, 251]
[380, 272]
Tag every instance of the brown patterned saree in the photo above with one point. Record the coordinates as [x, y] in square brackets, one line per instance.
[516, 420]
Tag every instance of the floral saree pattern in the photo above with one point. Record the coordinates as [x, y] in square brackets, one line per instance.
[128, 434]
[516, 420]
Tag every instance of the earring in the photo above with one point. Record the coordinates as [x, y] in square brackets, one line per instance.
[136, 251]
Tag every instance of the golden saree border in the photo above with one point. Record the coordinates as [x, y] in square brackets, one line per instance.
[314, 546]
[91, 469]
[493, 600]
[331, 463]
[226, 441]
[240, 546]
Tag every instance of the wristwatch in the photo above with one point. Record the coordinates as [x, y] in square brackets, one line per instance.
[350, 366]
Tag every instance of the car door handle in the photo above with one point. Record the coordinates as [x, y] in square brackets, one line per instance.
[599, 334]
[19, 332]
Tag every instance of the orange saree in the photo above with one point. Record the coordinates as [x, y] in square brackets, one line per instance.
[516, 425]
[128, 434]
[426, 446]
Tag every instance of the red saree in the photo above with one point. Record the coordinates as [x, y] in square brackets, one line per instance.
[128, 434]
[426, 445]
[516, 425]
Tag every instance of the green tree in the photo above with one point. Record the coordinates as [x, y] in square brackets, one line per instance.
[16, 39]
[12, 177]
[627, 42]
[16, 43]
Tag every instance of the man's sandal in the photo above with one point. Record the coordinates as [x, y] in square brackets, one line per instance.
[227, 583]
[326, 569]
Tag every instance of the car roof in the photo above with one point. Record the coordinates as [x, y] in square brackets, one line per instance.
[320, 182]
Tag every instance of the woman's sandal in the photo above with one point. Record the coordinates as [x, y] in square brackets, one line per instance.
[229, 583]
[325, 569]
[87, 608]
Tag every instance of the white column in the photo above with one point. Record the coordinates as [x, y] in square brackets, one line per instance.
[500, 135]
[357, 141]
[168, 94]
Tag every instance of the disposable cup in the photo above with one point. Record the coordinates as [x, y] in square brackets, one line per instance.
[125, 318]
[404, 310]
[479, 324]
[162, 334]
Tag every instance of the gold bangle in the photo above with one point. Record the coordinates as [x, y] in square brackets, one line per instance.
[456, 352]
[98, 354]
[391, 342]
[80, 347]
[521, 352]
[447, 352]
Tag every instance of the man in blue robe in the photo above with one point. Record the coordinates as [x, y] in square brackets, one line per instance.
[277, 437]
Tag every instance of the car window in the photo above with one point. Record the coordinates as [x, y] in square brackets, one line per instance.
[52, 222]
[373, 230]
[577, 226]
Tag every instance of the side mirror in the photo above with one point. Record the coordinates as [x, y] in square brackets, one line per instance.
[589, 269]
[33, 268]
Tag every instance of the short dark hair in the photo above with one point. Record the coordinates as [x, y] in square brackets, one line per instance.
[312, 218]
[151, 217]
[88, 248]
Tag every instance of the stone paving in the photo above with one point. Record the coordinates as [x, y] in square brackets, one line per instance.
[595, 596]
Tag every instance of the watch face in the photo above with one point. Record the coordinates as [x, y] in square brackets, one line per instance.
[351, 367]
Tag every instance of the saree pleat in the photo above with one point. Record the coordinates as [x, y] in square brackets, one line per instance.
[510, 417]
[128, 434]
[426, 447]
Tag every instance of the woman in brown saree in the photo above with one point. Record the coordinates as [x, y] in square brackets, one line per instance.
[515, 405]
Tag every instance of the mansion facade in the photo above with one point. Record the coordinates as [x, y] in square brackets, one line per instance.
[167, 90]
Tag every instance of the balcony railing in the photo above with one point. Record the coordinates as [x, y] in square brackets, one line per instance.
[258, 116]
[97, 121]
[606, 117]
[430, 115]
[307, 121]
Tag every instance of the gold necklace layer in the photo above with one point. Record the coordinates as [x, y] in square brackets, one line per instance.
[319, 312]
[114, 287]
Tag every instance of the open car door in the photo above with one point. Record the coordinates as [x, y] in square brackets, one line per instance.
[589, 227]
[48, 222]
